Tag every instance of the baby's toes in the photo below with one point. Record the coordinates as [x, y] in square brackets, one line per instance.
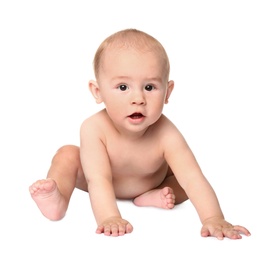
[170, 205]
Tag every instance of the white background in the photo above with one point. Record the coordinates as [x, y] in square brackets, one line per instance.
[221, 64]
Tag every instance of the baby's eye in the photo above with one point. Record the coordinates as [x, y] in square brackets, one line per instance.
[149, 87]
[123, 87]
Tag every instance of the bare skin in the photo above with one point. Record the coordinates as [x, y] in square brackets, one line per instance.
[130, 149]
[160, 198]
[53, 204]
[48, 198]
[53, 199]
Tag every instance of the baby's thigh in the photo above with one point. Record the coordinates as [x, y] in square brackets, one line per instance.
[169, 172]
[81, 182]
[72, 155]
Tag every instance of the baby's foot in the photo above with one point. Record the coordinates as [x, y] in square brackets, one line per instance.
[48, 199]
[160, 198]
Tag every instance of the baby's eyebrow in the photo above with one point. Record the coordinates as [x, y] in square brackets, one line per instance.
[150, 79]
[156, 79]
[121, 78]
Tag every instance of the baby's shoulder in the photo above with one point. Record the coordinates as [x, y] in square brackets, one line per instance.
[96, 121]
[165, 125]
[167, 130]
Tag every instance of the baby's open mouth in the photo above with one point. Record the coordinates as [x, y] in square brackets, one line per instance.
[136, 115]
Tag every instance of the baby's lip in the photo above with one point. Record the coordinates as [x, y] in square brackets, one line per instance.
[136, 115]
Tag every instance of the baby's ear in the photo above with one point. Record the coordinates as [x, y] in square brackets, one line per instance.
[169, 90]
[95, 90]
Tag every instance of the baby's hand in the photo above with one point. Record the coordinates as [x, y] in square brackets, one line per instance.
[115, 226]
[220, 228]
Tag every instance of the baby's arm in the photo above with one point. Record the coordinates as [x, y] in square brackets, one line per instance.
[201, 194]
[96, 166]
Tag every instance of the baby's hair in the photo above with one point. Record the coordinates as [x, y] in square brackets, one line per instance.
[128, 38]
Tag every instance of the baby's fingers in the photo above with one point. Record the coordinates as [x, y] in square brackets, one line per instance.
[114, 229]
[110, 229]
[214, 232]
[100, 229]
[205, 232]
[232, 232]
[241, 229]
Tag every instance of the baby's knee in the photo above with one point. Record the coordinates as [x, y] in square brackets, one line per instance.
[68, 152]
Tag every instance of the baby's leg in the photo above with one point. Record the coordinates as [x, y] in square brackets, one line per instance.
[52, 195]
[166, 196]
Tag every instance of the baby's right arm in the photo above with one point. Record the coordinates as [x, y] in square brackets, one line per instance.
[97, 170]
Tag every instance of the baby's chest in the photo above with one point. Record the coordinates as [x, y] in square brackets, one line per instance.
[139, 161]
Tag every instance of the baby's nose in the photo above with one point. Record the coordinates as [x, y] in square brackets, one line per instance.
[138, 99]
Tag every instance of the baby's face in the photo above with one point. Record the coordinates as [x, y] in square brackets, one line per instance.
[133, 86]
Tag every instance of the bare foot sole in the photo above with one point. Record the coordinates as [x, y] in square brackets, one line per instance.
[160, 198]
[48, 199]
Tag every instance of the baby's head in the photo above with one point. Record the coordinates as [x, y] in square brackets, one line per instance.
[131, 38]
[132, 71]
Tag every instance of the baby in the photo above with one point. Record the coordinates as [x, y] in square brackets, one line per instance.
[130, 150]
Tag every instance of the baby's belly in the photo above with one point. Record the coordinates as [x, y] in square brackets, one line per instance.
[129, 187]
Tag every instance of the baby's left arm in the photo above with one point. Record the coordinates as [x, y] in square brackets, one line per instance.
[189, 175]
[220, 228]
